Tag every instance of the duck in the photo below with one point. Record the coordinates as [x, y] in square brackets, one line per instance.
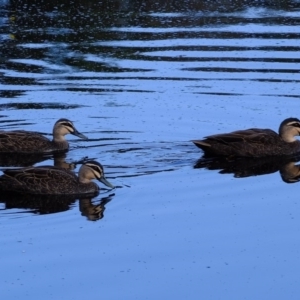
[92, 211]
[30, 142]
[254, 142]
[51, 180]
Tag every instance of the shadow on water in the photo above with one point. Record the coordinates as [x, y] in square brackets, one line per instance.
[246, 167]
[91, 208]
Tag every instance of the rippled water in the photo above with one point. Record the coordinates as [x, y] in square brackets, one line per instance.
[141, 80]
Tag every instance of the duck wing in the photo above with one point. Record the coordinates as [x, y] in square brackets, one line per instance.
[252, 142]
[23, 142]
[38, 180]
[249, 136]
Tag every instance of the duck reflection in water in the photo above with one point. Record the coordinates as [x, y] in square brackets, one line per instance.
[245, 167]
[91, 211]
[27, 160]
[43, 204]
[22, 160]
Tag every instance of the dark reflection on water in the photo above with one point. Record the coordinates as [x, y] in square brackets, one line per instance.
[32, 105]
[245, 167]
[21, 160]
[61, 37]
[25, 160]
[160, 5]
[91, 208]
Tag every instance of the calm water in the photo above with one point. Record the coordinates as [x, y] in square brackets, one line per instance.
[141, 80]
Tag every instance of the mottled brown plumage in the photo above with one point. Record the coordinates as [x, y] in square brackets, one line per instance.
[30, 142]
[254, 142]
[48, 180]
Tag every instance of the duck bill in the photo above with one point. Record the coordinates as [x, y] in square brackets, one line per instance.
[80, 135]
[106, 182]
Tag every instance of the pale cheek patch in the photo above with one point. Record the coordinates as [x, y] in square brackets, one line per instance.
[96, 170]
[97, 174]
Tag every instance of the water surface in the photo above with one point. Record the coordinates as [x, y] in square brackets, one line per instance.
[141, 80]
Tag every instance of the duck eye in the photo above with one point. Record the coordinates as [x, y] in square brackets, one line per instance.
[66, 124]
[95, 168]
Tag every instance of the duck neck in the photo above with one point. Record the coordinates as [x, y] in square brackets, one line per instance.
[84, 175]
[288, 134]
[61, 144]
[289, 138]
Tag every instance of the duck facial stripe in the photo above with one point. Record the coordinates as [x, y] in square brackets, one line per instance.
[96, 170]
[294, 124]
[68, 126]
